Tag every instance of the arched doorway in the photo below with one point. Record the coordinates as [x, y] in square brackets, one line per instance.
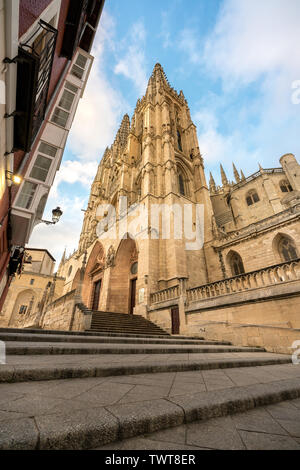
[123, 279]
[23, 306]
[92, 280]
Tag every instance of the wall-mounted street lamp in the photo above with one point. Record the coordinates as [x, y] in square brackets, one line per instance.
[56, 215]
[15, 179]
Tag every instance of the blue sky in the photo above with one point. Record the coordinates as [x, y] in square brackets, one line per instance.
[236, 62]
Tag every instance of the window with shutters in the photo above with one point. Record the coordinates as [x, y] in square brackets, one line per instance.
[42, 162]
[62, 111]
[79, 66]
[26, 195]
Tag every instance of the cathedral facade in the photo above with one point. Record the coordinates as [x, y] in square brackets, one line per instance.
[248, 229]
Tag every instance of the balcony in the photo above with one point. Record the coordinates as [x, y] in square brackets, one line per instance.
[35, 60]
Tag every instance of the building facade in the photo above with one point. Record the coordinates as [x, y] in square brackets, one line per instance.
[222, 262]
[29, 292]
[45, 56]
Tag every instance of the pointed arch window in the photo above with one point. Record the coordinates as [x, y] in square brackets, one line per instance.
[236, 264]
[179, 141]
[287, 249]
[285, 186]
[181, 184]
[252, 198]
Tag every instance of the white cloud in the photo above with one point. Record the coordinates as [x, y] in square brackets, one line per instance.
[75, 171]
[165, 30]
[63, 234]
[133, 64]
[189, 43]
[253, 42]
[253, 38]
[218, 148]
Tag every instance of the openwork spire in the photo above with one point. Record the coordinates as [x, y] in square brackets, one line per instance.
[123, 131]
[158, 81]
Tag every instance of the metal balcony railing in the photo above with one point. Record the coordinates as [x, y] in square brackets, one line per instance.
[35, 61]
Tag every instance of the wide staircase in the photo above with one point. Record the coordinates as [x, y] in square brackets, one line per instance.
[132, 390]
[108, 322]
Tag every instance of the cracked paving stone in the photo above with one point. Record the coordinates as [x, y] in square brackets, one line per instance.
[213, 437]
[261, 441]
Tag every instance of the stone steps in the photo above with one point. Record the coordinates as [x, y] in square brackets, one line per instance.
[91, 413]
[37, 368]
[87, 333]
[120, 322]
[36, 337]
[33, 348]
[71, 390]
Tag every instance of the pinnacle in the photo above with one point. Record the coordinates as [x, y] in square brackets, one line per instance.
[223, 176]
[212, 184]
[123, 131]
[236, 173]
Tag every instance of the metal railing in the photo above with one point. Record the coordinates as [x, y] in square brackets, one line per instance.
[41, 44]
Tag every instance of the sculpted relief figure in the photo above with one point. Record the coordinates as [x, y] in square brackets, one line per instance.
[110, 259]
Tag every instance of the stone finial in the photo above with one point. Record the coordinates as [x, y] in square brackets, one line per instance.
[260, 168]
[223, 176]
[236, 173]
[212, 184]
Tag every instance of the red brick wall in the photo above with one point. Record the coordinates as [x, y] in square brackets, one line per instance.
[59, 63]
[30, 10]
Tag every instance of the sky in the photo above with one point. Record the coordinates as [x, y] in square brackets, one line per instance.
[238, 64]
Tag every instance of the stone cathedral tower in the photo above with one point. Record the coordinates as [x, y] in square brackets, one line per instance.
[128, 263]
[155, 159]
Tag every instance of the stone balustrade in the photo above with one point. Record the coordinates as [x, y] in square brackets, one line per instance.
[165, 294]
[269, 276]
[283, 272]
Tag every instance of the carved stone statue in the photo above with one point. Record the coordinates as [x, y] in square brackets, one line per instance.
[110, 258]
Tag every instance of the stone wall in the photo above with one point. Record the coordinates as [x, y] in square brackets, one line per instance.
[58, 315]
[259, 308]
[272, 324]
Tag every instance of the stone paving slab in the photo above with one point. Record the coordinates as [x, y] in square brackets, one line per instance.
[65, 412]
[257, 429]
[43, 367]
[48, 348]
